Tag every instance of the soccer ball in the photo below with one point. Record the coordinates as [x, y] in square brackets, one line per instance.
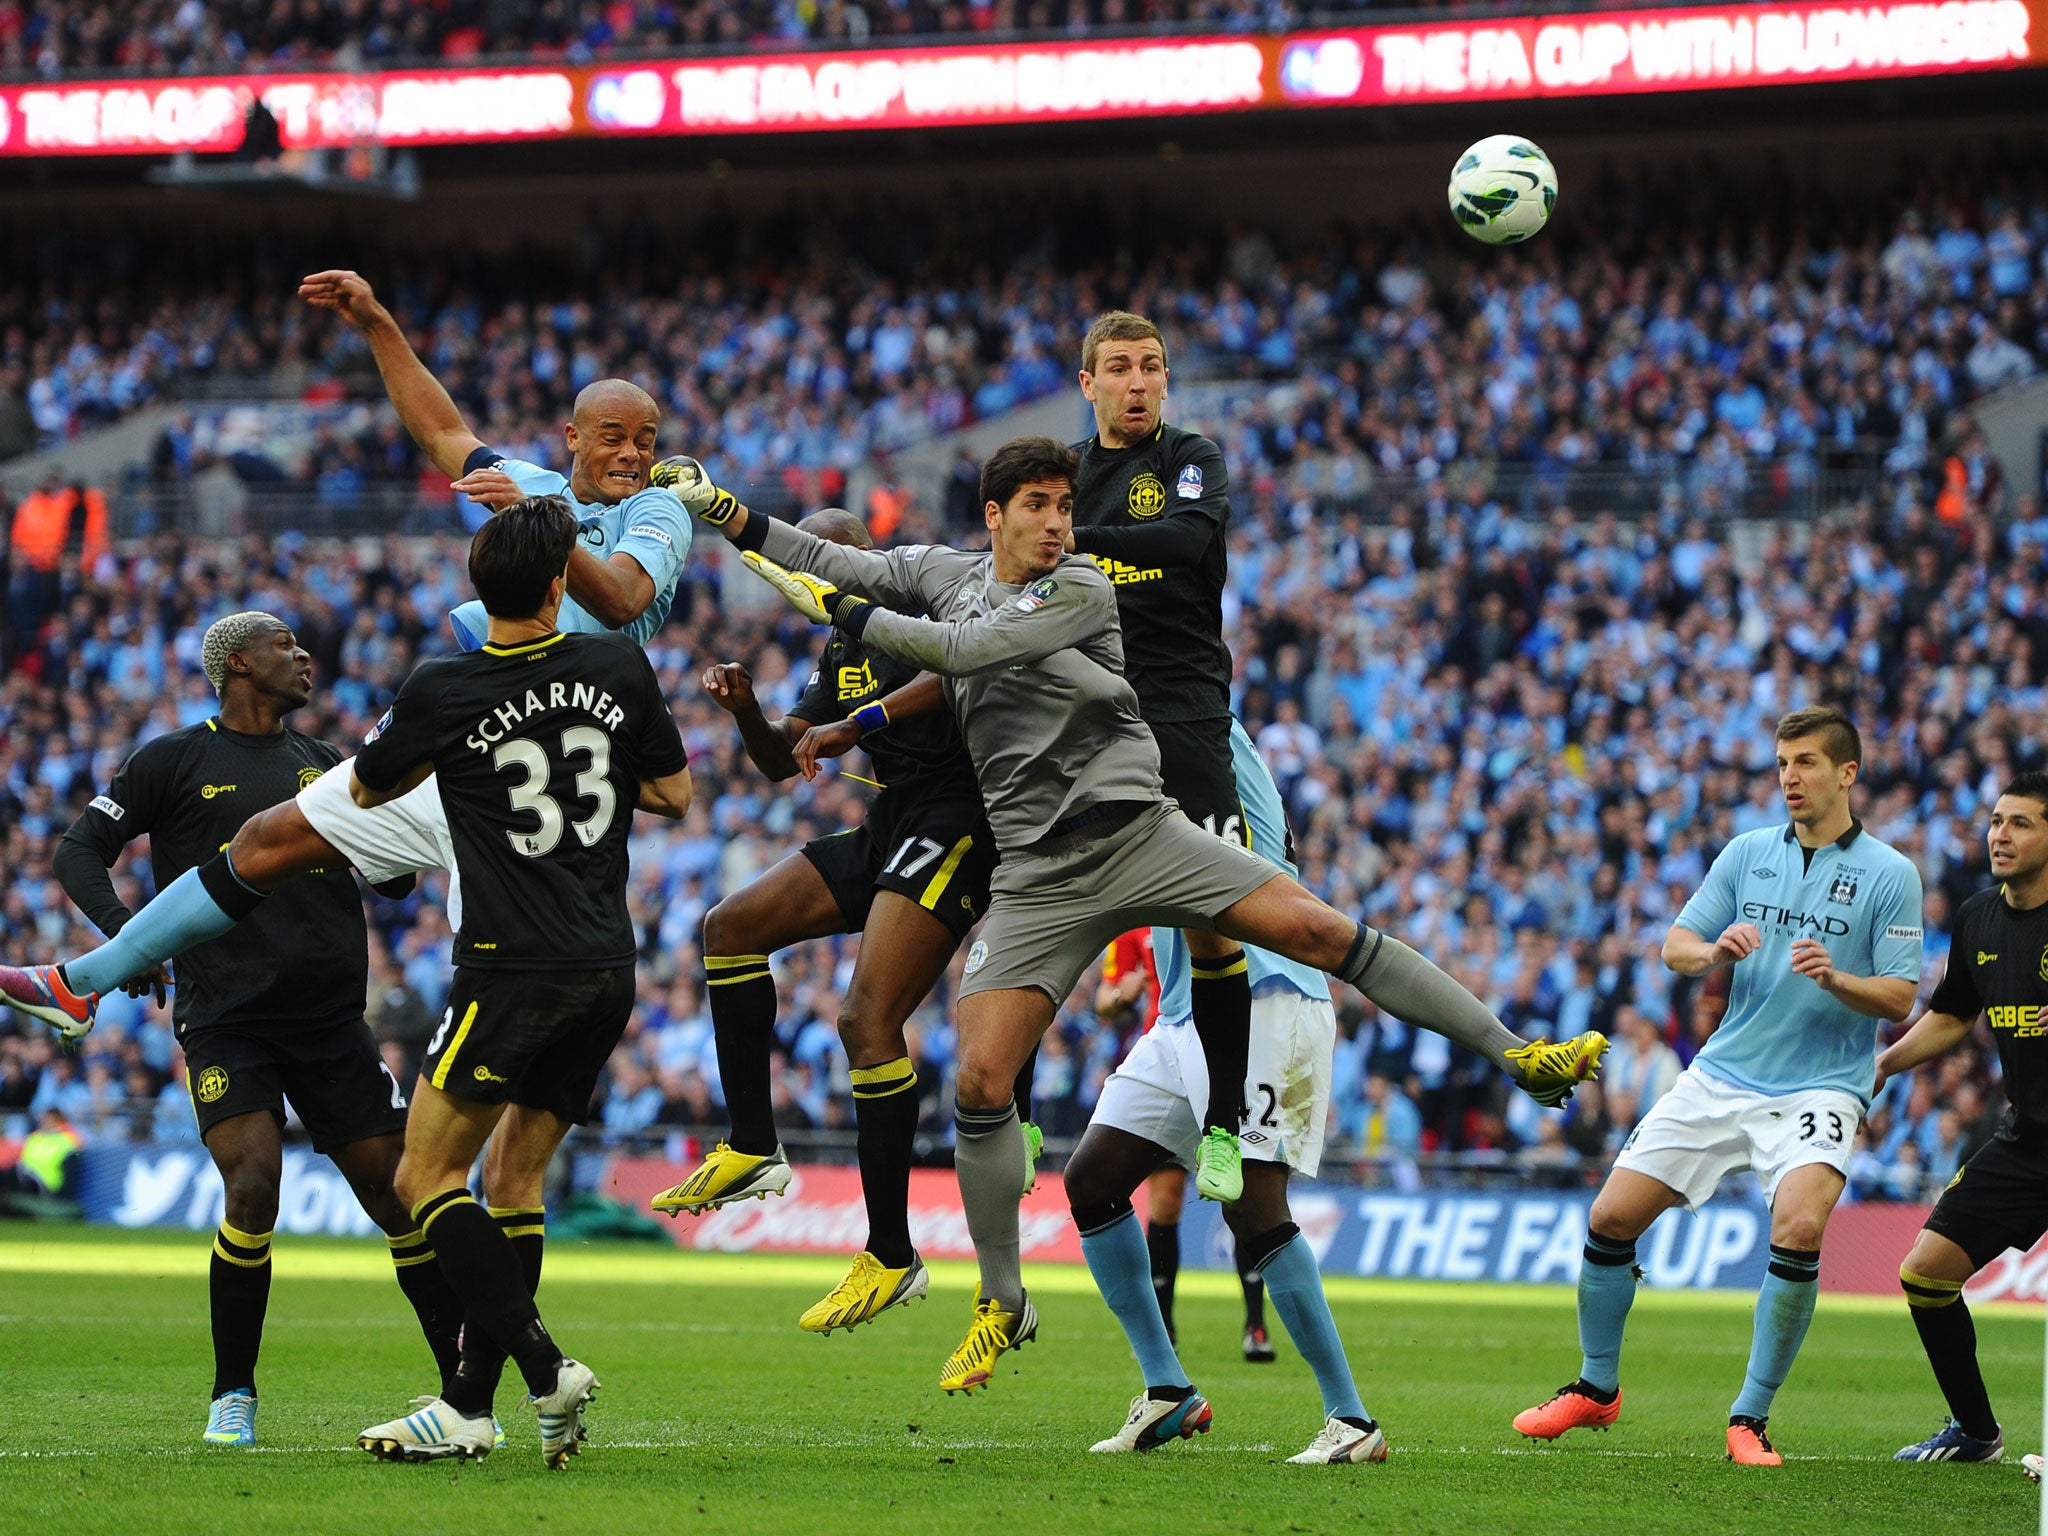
[1502, 190]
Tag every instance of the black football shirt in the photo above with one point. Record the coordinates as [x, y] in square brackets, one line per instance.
[301, 958]
[539, 751]
[1998, 966]
[922, 756]
[1154, 517]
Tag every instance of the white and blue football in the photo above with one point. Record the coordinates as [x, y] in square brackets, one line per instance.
[1503, 190]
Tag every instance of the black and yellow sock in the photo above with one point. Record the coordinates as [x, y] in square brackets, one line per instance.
[238, 1288]
[1220, 996]
[1162, 1244]
[433, 1300]
[742, 993]
[1949, 1335]
[484, 1268]
[885, 1115]
[483, 1362]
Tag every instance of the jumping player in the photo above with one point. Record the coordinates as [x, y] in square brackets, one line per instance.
[1821, 922]
[911, 880]
[1999, 1199]
[1028, 640]
[1152, 509]
[270, 1011]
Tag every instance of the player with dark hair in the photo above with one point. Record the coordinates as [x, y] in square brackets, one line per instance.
[1821, 923]
[1027, 637]
[1997, 963]
[1152, 509]
[540, 745]
[270, 1011]
[631, 544]
[911, 880]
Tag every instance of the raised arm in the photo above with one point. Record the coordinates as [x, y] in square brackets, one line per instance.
[422, 404]
[1052, 614]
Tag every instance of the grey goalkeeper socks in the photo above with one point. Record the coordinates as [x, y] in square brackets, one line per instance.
[1399, 980]
[988, 1156]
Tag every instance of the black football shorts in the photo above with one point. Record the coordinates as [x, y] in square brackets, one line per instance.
[935, 851]
[535, 1038]
[1997, 1200]
[332, 1075]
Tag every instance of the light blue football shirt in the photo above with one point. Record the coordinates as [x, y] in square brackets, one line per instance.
[1267, 818]
[1859, 897]
[652, 526]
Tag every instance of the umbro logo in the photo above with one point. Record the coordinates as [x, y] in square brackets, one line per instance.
[1255, 1137]
[1764, 874]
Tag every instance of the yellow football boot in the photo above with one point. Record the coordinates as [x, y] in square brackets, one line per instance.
[994, 1331]
[726, 1176]
[869, 1289]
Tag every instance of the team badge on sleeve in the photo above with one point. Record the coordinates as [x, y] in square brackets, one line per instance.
[1035, 596]
[1189, 486]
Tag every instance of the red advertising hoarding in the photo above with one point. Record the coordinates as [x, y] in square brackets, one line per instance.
[1706, 47]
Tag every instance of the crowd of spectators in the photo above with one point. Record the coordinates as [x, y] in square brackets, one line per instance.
[1731, 364]
[1516, 743]
[1511, 729]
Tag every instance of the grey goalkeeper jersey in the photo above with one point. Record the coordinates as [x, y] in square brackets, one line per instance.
[1034, 674]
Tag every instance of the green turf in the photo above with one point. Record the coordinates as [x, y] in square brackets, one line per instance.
[717, 1415]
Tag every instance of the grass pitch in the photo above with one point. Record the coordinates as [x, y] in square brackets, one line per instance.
[718, 1416]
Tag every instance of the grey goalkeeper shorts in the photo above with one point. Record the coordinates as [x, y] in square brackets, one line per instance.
[1055, 906]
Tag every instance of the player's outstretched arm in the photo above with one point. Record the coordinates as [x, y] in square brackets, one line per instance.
[87, 853]
[422, 404]
[666, 796]
[369, 799]
[1933, 1034]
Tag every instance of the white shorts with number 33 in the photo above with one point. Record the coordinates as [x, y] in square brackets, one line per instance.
[1705, 1129]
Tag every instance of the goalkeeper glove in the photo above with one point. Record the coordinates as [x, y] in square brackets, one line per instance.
[686, 477]
[812, 596]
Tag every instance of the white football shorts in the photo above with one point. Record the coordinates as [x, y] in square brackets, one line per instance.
[401, 837]
[1159, 1090]
[1705, 1129]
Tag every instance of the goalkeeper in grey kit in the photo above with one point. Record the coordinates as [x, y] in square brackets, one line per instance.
[1028, 641]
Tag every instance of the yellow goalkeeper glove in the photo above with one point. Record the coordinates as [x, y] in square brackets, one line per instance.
[812, 596]
[686, 477]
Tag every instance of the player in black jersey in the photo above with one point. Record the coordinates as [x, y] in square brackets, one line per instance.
[1151, 507]
[542, 745]
[1997, 967]
[270, 1011]
[912, 879]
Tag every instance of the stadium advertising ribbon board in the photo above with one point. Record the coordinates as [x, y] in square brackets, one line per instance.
[1706, 47]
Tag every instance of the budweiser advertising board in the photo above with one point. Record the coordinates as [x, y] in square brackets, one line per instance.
[1708, 47]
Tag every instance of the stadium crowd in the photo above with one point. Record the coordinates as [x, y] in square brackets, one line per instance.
[1749, 368]
[1516, 743]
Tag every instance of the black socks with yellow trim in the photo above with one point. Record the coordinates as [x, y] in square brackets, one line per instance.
[885, 1118]
[742, 993]
[485, 1270]
[238, 1289]
[483, 1362]
[433, 1300]
[1949, 1335]
[1220, 997]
